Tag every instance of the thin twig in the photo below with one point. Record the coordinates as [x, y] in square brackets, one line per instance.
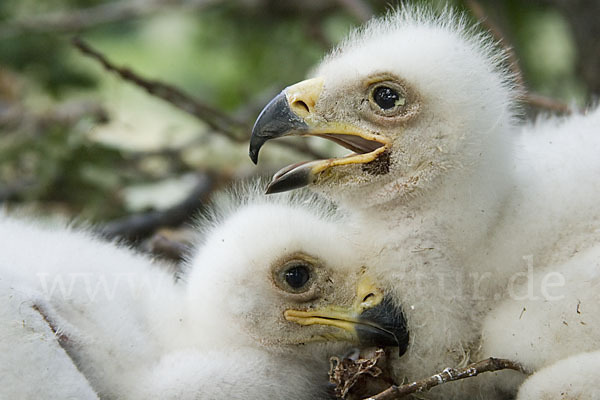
[533, 99]
[219, 121]
[143, 225]
[214, 118]
[513, 61]
[447, 375]
[547, 103]
[160, 245]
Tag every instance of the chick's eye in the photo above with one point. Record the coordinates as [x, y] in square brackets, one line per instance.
[387, 98]
[297, 276]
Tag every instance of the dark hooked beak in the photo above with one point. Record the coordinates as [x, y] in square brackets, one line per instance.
[276, 120]
[383, 325]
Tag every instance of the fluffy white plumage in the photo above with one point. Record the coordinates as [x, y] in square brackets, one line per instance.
[455, 191]
[133, 332]
[550, 315]
[33, 363]
[460, 196]
[79, 284]
[573, 378]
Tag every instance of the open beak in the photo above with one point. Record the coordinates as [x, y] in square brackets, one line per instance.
[372, 320]
[292, 112]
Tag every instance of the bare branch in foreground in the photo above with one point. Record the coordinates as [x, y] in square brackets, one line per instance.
[533, 99]
[360, 374]
[447, 375]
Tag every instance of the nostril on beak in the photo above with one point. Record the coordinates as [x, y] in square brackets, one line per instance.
[300, 108]
[367, 297]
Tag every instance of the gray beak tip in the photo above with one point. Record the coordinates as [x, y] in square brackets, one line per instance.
[269, 189]
[275, 120]
[253, 153]
[284, 185]
[391, 328]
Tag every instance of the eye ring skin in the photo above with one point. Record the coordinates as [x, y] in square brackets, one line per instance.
[399, 114]
[311, 289]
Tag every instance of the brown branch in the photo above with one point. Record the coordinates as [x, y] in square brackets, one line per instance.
[145, 224]
[360, 374]
[85, 18]
[546, 103]
[513, 62]
[160, 245]
[216, 119]
[533, 99]
[447, 375]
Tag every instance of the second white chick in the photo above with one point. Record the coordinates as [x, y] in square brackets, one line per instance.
[223, 331]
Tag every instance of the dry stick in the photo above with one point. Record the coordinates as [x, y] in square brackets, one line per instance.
[165, 247]
[219, 121]
[447, 375]
[548, 103]
[513, 62]
[533, 99]
[216, 119]
[137, 226]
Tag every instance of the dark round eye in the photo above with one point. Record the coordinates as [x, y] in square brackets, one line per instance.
[297, 276]
[387, 98]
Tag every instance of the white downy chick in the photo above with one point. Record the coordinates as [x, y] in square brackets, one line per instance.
[573, 378]
[240, 322]
[427, 106]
